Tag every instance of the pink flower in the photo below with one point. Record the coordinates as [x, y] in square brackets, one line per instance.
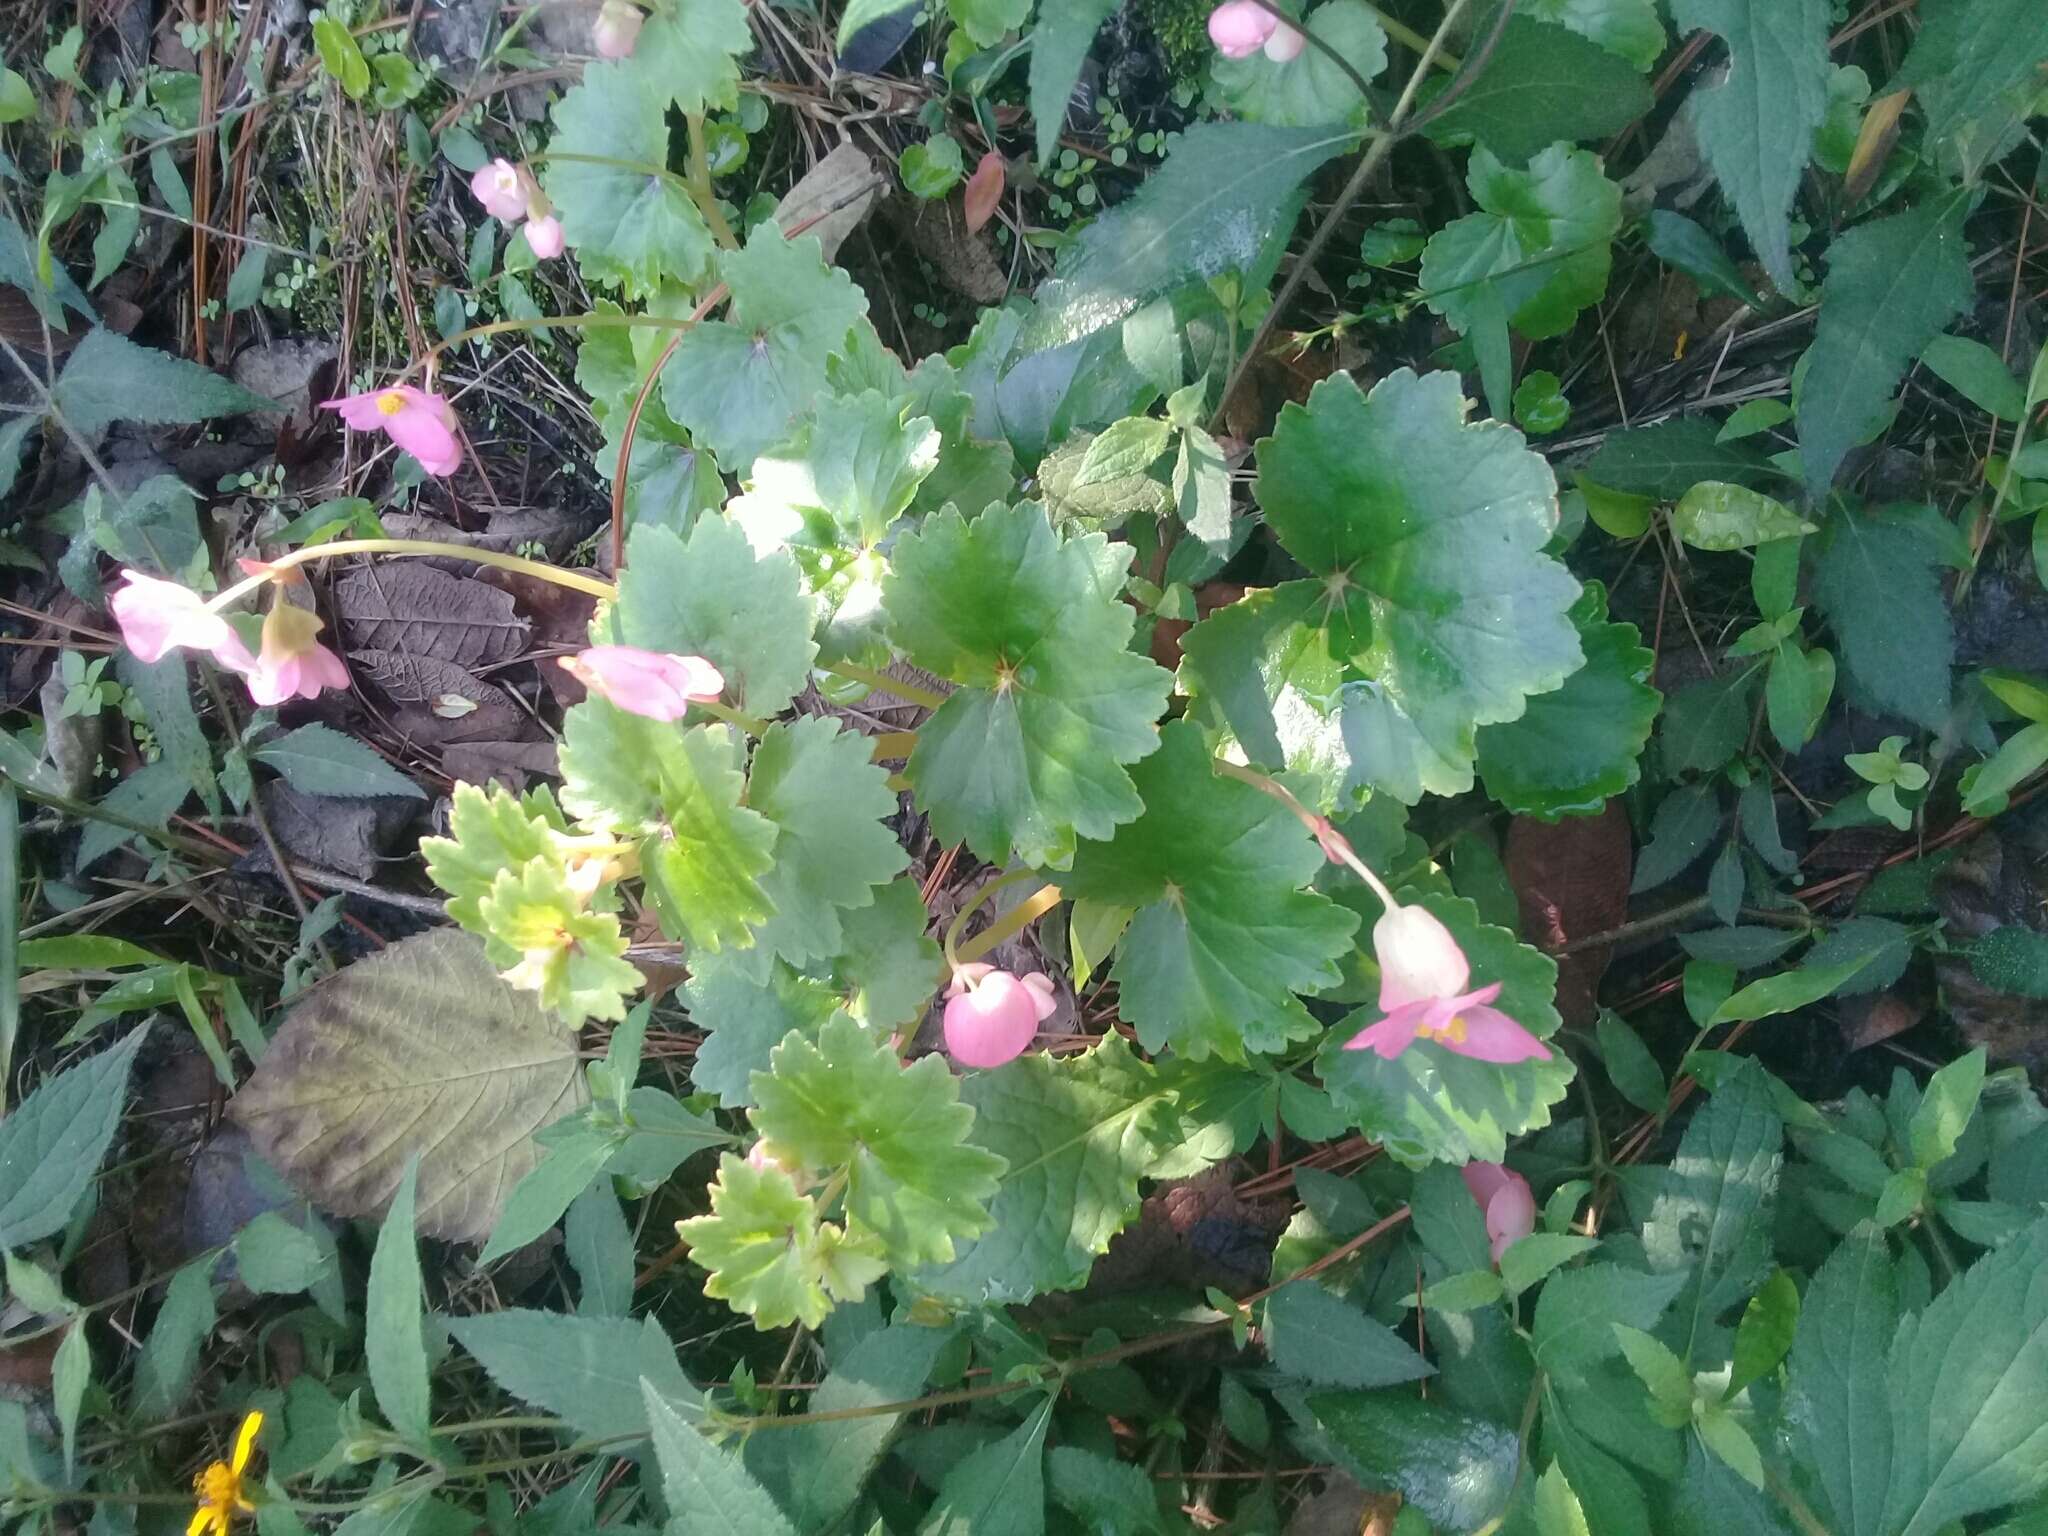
[1284, 44]
[292, 664]
[545, 236]
[420, 422]
[646, 683]
[1504, 1196]
[993, 1016]
[617, 29]
[158, 616]
[1239, 28]
[1423, 976]
[502, 188]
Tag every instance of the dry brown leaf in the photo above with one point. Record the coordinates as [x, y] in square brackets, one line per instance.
[1571, 879]
[406, 606]
[984, 191]
[420, 1049]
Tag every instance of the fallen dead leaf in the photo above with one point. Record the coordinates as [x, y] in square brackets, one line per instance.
[1571, 879]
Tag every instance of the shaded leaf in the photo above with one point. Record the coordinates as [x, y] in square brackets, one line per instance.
[1543, 84]
[317, 760]
[1223, 935]
[108, 378]
[52, 1143]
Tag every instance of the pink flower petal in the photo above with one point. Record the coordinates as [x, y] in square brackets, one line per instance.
[1043, 996]
[1393, 1034]
[1484, 1180]
[1239, 28]
[1418, 958]
[617, 29]
[157, 616]
[992, 1022]
[1491, 1035]
[501, 188]
[422, 433]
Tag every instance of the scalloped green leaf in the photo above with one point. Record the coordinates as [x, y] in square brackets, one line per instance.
[1309, 90]
[1431, 1105]
[738, 385]
[1433, 610]
[900, 1134]
[1078, 1133]
[1538, 250]
[1223, 934]
[703, 852]
[821, 787]
[884, 976]
[1028, 753]
[692, 50]
[572, 958]
[711, 595]
[1580, 745]
[768, 1254]
[490, 829]
[630, 222]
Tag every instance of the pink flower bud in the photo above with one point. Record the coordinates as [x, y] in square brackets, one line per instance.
[1239, 28]
[1510, 1206]
[617, 29]
[661, 687]
[1284, 44]
[545, 236]
[501, 188]
[992, 1016]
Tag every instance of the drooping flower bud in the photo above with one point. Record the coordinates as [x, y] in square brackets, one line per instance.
[1510, 1206]
[617, 29]
[292, 664]
[661, 687]
[1239, 28]
[159, 616]
[544, 235]
[993, 1016]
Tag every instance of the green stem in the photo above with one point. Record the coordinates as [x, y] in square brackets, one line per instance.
[699, 184]
[853, 672]
[1401, 32]
[981, 898]
[539, 570]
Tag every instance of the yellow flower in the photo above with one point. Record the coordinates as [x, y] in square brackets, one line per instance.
[220, 1486]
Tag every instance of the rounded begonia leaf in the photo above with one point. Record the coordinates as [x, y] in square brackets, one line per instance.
[1223, 934]
[1433, 609]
